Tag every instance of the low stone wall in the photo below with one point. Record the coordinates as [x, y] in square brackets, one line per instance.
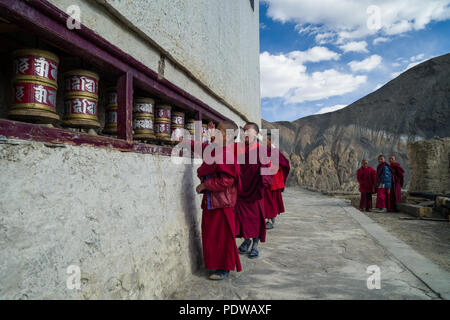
[429, 162]
[130, 222]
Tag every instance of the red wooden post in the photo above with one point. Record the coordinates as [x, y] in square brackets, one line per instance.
[125, 107]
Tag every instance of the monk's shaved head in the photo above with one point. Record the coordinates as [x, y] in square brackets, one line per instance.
[229, 125]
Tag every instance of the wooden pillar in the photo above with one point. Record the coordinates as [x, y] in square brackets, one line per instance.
[125, 107]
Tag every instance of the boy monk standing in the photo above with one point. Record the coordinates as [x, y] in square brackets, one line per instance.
[220, 182]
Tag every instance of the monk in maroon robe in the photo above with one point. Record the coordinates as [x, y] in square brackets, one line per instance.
[366, 178]
[220, 184]
[273, 199]
[250, 221]
[397, 182]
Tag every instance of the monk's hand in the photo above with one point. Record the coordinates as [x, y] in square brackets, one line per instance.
[200, 188]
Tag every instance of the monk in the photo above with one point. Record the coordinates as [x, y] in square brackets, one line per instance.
[273, 199]
[220, 182]
[250, 221]
[383, 183]
[366, 178]
[397, 182]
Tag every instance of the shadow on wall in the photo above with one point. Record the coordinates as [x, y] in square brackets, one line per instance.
[190, 214]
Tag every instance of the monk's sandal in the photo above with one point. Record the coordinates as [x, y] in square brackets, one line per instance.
[254, 253]
[243, 248]
[219, 275]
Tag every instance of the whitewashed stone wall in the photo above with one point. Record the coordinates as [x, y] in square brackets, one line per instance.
[131, 222]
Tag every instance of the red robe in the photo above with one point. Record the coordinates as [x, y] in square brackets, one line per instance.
[397, 183]
[218, 225]
[250, 219]
[273, 199]
[366, 178]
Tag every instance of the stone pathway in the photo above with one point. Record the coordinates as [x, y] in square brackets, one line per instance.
[320, 249]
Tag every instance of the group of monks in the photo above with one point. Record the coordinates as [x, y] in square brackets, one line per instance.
[238, 195]
[386, 182]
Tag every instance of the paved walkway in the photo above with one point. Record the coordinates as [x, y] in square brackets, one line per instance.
[320, 249]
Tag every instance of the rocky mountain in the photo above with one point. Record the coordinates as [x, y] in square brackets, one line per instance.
[326, 150]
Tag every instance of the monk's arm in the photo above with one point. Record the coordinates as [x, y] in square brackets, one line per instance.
[221, 183]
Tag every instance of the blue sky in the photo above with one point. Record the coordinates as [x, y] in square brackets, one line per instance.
[322, 55]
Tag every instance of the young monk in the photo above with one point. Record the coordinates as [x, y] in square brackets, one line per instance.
[250, 221]
[383, 183]
[366, 178]
[273, 202]
[397, 182]
[220, 182]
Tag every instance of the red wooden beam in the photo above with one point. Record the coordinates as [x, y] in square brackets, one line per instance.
[125, 107]
[33, 132]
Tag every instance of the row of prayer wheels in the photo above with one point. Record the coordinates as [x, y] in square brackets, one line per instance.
[35, 86]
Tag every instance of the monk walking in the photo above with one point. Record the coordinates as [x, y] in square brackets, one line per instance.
[273, 199]
[366, 178]
[250, 221]
[383, 183]
[397, 182]
[220, 183]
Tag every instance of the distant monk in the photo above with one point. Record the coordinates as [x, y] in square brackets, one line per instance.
[397, 182]
[250, 221]
[383, 183]
[273, 202]
[367, 178]
[220, 183]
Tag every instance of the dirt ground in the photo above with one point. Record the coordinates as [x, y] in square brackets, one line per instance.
[429, 238]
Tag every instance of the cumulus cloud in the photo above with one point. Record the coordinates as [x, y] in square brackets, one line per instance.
[356, 46]
[380, 40]
[331, 109]
[285, 76]
[367, 64]
[353, 19]
[315, 54]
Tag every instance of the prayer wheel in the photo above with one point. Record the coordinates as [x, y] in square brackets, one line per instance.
[177, 126]
[81, 99]
[34, 86]
[111, 120]
[111, 111]
[36, 65]
[162, 122]
[33, 101]
[190, 126]
[143, 118]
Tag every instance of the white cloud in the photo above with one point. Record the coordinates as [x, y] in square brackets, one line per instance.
[315, 54]
[367, 64]
[331, 109]
[356, 46]
[419, 57]
[377, 87]
[349, 19]
[380, 40]
[285, 76]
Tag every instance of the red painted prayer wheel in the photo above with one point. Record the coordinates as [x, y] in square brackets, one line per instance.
[34, 101]
[111, 120]
[81, 112]
[81, 99]
[36, 65]
[143, 118]
[162, 121]
[177, 119]
[81, 82]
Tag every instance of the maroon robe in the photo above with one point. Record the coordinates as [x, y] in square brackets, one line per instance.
[218, 225]
[397, 184]
[366, 179]
[250, 220]
[274, 201]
